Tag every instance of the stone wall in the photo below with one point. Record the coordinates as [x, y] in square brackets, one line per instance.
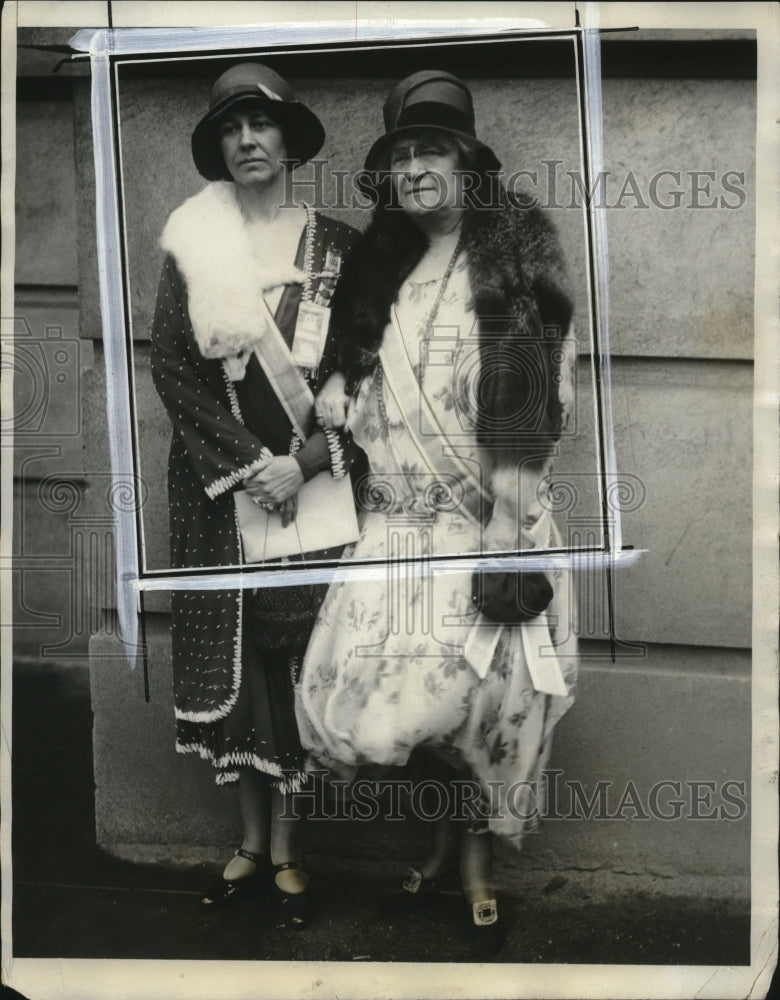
[51, 607]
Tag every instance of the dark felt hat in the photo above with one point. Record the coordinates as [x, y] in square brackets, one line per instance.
[303, 131]
[429, 99]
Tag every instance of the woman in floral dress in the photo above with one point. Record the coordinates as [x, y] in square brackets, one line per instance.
[458, 400]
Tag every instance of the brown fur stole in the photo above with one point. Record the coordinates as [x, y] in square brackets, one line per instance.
[520, 296]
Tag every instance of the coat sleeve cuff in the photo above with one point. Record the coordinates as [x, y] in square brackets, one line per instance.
[226, 483]
[338, 465]
[312, 457]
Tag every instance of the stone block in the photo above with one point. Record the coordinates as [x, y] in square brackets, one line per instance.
[49, 615]
[683, 440]
[154, 436]
[45, 194]
[685, 432]
[146, 793]
[680, 715]
[681, 278]
[50, 359]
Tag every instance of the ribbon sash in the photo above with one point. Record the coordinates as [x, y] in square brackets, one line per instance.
[285, 377]
[263, 537]
[413, 405]
[530, 639]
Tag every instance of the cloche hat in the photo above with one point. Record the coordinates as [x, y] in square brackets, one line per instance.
[429, 99]
[303, 131]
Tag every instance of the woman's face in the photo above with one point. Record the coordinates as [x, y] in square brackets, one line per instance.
[252, 145]
[427, 171]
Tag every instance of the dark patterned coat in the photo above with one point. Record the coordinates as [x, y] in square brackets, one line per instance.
[218, 438]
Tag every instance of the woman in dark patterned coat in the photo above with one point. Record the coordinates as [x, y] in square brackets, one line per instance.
[454, 329]
[241, 258]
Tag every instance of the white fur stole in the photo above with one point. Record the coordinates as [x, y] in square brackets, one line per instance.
[208, 238]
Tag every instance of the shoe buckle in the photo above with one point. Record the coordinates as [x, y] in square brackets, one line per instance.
[413, 881]
[485, 913]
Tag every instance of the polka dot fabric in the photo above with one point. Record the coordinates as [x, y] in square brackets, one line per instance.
[230, 707]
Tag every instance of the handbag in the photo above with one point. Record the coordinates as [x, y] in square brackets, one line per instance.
[510, 598]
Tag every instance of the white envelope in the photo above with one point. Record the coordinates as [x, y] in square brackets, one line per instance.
[326, 518]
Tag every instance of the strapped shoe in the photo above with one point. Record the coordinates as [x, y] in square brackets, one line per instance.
[413, 881]
[487, 931]
[416, 884]
[294, 910]
[224, 891]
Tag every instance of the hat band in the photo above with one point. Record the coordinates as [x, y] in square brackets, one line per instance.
[436, 115]
[269, 93]
[247, 90]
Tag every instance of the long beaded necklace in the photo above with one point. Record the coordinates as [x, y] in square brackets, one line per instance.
[307, 293]
[420, 367]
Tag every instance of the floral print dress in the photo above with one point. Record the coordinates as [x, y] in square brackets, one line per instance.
[386, 669]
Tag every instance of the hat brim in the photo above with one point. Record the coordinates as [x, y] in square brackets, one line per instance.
[376, 159]
[303, 133]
